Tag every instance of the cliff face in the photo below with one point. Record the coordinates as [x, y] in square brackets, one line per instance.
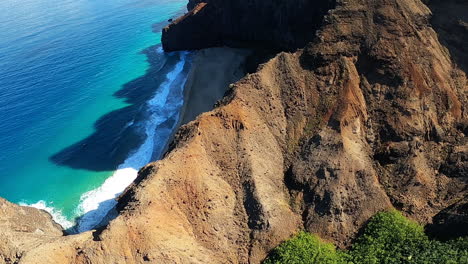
[370, 115]
[283, 25]
[23, 228]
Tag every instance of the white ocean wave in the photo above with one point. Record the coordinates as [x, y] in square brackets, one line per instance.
[56, 214]
[96, 203]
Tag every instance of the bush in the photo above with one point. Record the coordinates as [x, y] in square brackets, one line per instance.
[391, 238]
[388, 238]
[304, 248]
[451, 252]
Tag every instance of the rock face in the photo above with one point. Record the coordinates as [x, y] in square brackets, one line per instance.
[370, 115]
[283, 25]
[23, 228]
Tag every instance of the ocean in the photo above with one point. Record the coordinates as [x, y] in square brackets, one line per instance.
[87, 97]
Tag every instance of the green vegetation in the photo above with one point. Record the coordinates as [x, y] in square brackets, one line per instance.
[391, 238]
[388, 238]
[304, 248]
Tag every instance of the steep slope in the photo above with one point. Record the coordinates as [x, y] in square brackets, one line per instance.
[370, 115]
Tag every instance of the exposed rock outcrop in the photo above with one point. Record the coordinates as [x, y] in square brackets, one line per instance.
[283, 25]
[370, 115]
[23, 228]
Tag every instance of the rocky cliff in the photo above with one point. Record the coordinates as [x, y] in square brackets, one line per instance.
[23, 227]
[370, 114]
[282, 25]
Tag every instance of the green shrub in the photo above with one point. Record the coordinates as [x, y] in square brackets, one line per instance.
[451, 252]
[391, 238]
[388, 238]
[304, 248]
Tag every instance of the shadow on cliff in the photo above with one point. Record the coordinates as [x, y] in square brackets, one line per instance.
[450, 21]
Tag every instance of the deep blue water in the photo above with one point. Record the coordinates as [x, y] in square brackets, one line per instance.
[87, 97]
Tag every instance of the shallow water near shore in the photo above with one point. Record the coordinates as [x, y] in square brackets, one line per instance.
[87, 97]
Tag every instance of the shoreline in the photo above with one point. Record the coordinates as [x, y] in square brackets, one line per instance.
[99, 213]
[97, 206]
[211, 72]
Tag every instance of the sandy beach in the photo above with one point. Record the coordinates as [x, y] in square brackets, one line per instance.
[212, 71]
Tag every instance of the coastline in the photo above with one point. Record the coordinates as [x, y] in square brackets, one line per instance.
[211, 72]
[66, 106]
[99, 204]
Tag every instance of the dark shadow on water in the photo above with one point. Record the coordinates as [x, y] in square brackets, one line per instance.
[114, 138]
[118, 133]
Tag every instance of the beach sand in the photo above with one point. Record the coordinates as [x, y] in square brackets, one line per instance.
[211, 73]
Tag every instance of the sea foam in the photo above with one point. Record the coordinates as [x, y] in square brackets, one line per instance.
[96, 204]
[56, 214]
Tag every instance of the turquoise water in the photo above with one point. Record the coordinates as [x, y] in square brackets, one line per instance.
[87, 97]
